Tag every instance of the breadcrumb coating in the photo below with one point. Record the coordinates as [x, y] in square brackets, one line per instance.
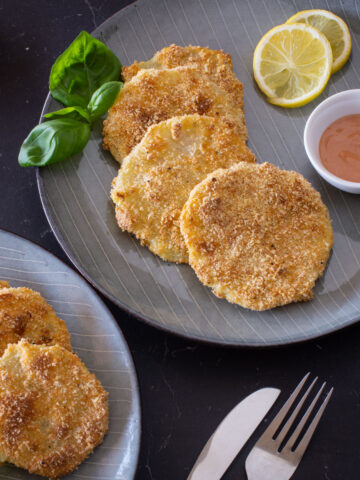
[153, 95]
[212, 62]
[25, 314]
[53, 412]
[215, 64]
[257, 235]
[156, 178]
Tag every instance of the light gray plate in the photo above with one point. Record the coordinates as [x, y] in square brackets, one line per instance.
[97, 340]
[75, 194]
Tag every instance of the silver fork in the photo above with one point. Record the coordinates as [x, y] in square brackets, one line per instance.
[265, 462]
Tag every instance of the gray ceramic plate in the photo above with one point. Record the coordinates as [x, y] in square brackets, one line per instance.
[97, 340]
[75, 194]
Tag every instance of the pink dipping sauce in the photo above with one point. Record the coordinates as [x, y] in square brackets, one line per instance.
[339, 148]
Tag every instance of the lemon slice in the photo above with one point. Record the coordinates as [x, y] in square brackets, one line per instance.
[335, 30]
[292, 64]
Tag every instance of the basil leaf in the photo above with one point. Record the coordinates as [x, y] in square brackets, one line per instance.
[53, 141]
[103, 99]
[76, 113]
[85, 65]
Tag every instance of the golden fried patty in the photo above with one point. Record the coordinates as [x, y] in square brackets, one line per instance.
[156, 178]
[257, 235]
[215, 64]
[4, 283]
[152, 96]
[25, 314]
[212, 62]
[53, 412]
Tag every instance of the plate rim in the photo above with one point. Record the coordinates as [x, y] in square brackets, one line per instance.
[131, 311]
[133, 371]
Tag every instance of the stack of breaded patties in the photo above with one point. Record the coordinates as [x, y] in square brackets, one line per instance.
[190, 190]
[53, 411]
[176, 81]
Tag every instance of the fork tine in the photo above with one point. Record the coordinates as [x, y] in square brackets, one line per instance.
[310, 431]
[290, 443]
[290, 421]
[274, 425]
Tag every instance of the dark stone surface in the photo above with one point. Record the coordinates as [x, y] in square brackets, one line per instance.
[186, 387]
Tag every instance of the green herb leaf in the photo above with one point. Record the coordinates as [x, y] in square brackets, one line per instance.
[76, 113]
[83, 67]
[103, 99]
[53, 141]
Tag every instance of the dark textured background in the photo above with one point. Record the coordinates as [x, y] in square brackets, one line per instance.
[186, 388]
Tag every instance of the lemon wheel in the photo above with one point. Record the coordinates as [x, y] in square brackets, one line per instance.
[335, 30]
[292, 64]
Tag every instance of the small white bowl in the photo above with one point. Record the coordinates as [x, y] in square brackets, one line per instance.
[334, 107]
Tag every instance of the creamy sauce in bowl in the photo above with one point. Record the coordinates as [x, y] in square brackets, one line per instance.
[339, 148]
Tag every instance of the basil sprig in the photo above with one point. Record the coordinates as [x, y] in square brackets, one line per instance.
[76, 113]
[84, 79]
[84, 66]
[53, 141]
[102, 99]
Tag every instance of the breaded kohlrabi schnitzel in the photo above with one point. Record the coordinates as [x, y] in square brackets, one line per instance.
[25, 314]
[215, 64]
[153, 95]
[156, 178]
[53, 412]
[257, 235]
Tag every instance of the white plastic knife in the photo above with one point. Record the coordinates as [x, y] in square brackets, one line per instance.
[232, 434]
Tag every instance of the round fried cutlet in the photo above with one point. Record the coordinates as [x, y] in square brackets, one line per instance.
[212, 62]
[257, 235]
[215, 64]
[156, 178]
[53, 412]
[25, 314]
[4, 283]
[152, 96]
